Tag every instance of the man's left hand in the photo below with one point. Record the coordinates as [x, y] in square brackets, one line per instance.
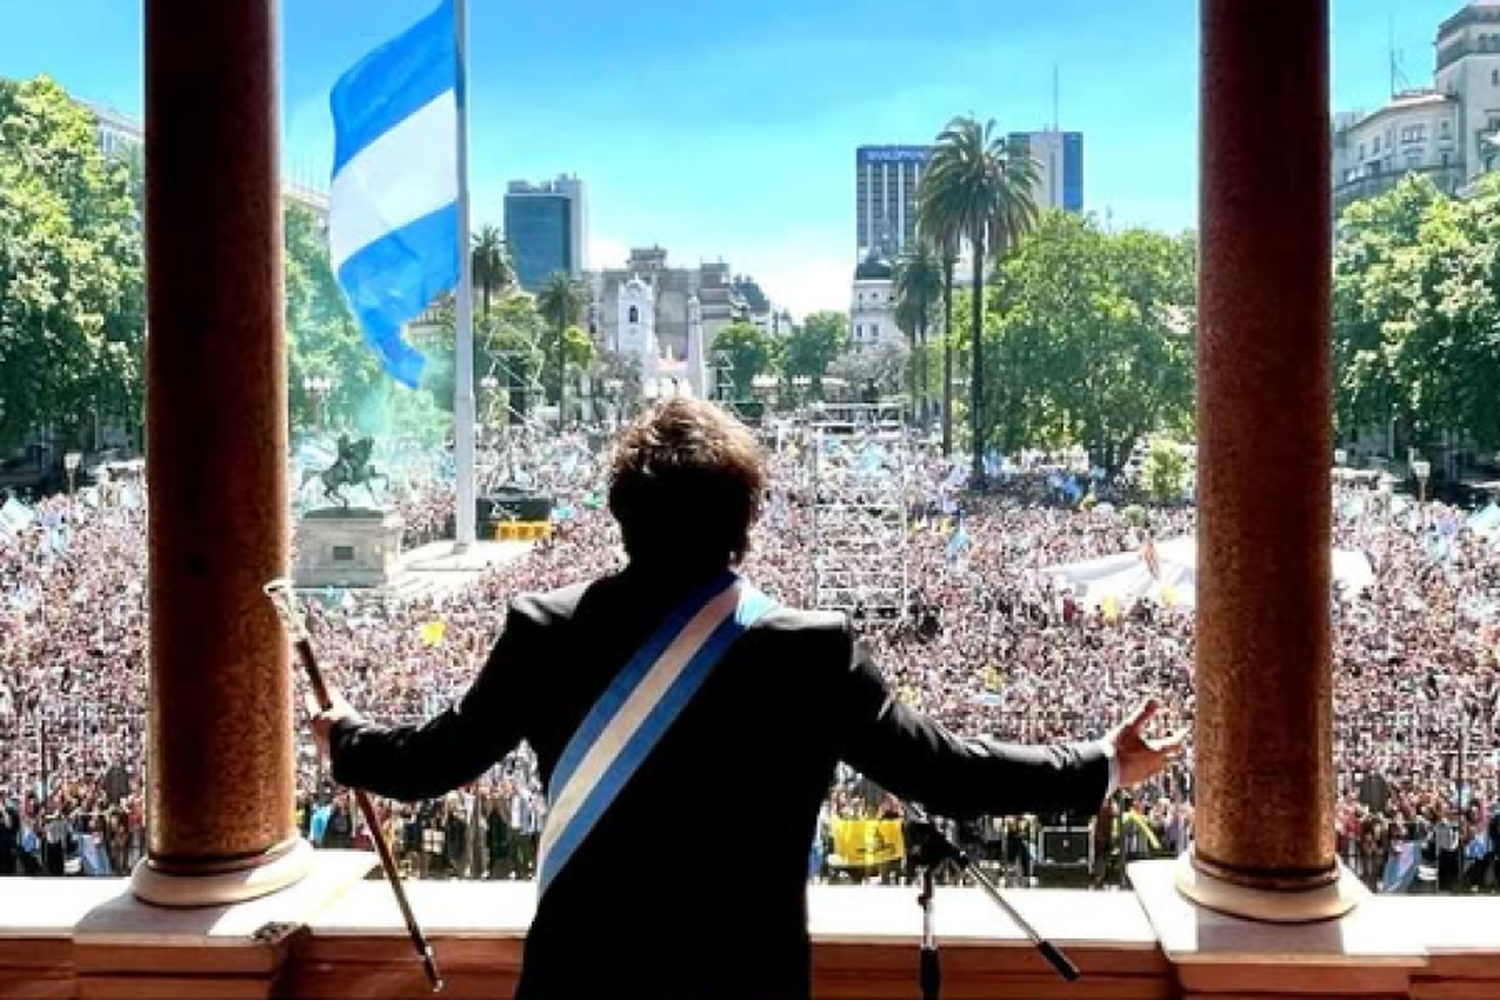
[1138, 757]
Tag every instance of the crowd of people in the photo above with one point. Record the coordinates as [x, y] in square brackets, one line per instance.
[992, 643]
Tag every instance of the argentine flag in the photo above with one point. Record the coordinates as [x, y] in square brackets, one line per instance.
[393, 206]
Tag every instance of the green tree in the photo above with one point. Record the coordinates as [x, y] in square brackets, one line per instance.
[72, 325]
[561, 301]
[813, 346]
[750, 354]
[979, 188]
[1416, 316]
[943, 234]
[1165, 472]
[1094, 334]
[919, 282]
[1374, 234]
[491, 268]
[323, 339]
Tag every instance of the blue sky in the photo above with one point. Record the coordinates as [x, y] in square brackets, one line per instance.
[728, 130]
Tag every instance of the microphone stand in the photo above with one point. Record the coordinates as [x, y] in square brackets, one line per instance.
[931, 851]
[285, 600]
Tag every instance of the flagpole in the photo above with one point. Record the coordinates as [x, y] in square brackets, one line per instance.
[463, 347]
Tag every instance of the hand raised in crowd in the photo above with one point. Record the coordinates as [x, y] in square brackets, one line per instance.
[1138, 756]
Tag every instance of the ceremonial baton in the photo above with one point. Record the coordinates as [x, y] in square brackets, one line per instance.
[285, 601]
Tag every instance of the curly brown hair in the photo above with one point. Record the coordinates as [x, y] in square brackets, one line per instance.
[686, 485]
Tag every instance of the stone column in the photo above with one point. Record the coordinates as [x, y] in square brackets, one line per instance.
[1263, 733]
[220, 797]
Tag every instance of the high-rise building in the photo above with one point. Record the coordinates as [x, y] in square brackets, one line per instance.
[546, 227]
[1059, 167]
[885, 197]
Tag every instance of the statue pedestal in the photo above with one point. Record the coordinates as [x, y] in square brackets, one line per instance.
[353, 547]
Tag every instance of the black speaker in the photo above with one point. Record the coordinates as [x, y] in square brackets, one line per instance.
[511, 504]
[1065, 845]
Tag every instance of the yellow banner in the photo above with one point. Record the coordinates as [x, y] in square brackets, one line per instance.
[433, 632]
[868, 842]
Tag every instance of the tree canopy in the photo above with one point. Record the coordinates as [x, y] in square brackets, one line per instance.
[72, 326]
[1092, 337]
[751, 353]
[1416, 317]
[813, 346]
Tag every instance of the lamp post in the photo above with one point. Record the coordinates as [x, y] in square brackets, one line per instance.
[71, 461]
[1421, 468]
[318, 387]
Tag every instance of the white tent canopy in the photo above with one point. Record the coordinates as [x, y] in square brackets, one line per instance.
[1125, 578]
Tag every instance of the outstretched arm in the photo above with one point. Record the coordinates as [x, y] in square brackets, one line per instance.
[919, 759]
[412, 763]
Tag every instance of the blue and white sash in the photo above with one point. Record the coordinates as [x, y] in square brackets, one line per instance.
[637, 709]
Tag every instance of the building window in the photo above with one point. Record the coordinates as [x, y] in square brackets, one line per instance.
[1495, 78]
[635, 314]
[1361, 151]
[1375, 146]
[343, 553]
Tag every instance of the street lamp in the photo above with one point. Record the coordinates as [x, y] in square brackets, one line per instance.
[318, 387]
[1421, 468]
[614, 390]
[71, 461]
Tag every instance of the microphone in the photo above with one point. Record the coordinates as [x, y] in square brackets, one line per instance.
[932, 850]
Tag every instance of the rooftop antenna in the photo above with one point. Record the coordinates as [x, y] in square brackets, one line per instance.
[1399, 82]
[1056, 101]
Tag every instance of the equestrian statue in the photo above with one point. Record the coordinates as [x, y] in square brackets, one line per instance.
[351, 468]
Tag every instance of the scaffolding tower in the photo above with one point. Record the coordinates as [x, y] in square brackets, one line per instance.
[512, 396]
[857, 467]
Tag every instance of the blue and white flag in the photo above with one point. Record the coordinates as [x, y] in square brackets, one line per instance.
[957, 541]
[393, 208]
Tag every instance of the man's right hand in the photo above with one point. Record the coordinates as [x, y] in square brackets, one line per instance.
[324, 721]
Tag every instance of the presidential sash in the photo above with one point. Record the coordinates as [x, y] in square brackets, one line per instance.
[637, 709]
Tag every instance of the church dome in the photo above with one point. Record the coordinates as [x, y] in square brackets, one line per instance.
[873, 267]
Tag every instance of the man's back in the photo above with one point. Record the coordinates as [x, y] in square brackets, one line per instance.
[680, 888]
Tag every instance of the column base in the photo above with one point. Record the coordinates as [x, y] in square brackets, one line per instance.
[1276, 906]
[162, 888]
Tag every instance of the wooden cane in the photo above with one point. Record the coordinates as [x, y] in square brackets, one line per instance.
[284, 598]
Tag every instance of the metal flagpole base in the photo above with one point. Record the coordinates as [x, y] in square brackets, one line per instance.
[282, 866]
[1276, 906]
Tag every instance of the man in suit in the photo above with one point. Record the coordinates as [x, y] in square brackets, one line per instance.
[640, 909]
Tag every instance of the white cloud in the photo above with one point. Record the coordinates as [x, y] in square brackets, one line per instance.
[805, 286]
[607, 252]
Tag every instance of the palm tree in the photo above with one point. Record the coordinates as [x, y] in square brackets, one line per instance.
[977, 189]
[560, 300]
[942, 235]
[919, 283]
[491, 265]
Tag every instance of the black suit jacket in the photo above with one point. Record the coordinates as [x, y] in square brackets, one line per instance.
[680, 890]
